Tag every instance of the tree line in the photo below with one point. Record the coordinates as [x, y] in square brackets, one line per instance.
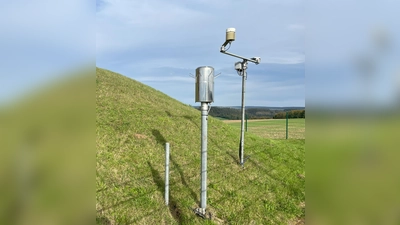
[254, 113]
[291, 114]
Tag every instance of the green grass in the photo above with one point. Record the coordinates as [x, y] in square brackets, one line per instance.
[47, 153]
[133, 122]
[274, 128]
[354, 166]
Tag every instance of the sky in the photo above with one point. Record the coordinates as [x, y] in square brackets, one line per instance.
[160, 43]
[331, 52]
[40, 42]
[353, 53]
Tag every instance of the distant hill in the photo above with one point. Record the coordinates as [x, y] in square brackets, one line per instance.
[269, 107]
[252, 112]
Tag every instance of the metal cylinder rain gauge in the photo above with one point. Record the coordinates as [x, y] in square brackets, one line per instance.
[205, 95]
[204, 84]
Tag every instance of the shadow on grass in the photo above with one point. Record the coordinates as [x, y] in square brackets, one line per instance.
[173, 206]
[168, 113]
[188, 117]
[183, 180]
[159, 137]
[102, 220]
[235, 159]
[192, 118]
[161, 140]
[211, 139]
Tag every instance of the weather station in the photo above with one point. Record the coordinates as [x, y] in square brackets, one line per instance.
[240, 67]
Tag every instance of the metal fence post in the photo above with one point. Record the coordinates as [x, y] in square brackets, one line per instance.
[166, 173]
[286, 125]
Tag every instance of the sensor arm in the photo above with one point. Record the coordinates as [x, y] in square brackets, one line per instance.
[253, 60]
[224, 45]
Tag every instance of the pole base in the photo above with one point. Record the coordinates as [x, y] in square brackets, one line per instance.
[202, 213]
[244, 160]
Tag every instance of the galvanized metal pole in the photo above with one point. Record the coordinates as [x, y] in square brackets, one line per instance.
[166, 173]
[287, 125]
[241, 149]
[203, 194]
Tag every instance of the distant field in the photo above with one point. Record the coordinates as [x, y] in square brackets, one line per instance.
[274, 128]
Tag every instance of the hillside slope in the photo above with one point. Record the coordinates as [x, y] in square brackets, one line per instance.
[133, 122]
[47, 151]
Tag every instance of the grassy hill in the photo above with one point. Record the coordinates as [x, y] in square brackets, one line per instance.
[133, 122]
[47, 153]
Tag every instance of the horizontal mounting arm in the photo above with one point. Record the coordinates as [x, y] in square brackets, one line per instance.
[253, 60]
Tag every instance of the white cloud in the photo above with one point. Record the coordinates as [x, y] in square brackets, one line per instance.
[137, 38]
[292, 58]
[129, 24]
[296, 27]
[166, 78]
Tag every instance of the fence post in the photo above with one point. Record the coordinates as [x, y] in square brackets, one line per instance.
[286, 125]
[166, 173]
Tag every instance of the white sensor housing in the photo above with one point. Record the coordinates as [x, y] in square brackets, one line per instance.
[230, 34]
[238, 66]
